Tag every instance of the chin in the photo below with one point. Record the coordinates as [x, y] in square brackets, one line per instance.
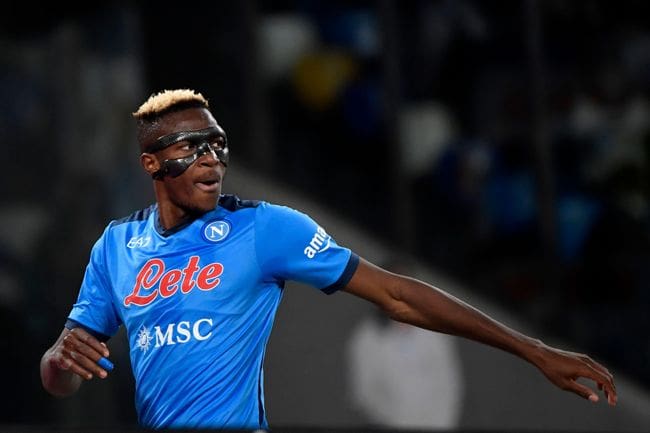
[199, 207]
[207, 205]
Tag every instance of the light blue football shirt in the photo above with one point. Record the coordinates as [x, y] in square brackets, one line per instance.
[198, 303]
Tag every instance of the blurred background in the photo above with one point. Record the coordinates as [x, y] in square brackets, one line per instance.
[498, 149]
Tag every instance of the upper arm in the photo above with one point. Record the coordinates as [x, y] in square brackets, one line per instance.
[95, 307]
[290, 245]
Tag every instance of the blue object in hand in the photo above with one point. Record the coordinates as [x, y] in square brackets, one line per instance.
[105, 364]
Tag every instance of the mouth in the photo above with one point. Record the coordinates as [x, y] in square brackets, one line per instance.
[209, 184]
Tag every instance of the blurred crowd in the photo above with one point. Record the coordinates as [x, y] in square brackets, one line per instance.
[419, 120]
[454, 118]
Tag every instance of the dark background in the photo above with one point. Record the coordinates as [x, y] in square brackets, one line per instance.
[506, 143]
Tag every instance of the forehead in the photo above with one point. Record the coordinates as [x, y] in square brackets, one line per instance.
[190, 119]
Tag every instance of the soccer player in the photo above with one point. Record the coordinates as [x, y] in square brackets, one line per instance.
[196, 279]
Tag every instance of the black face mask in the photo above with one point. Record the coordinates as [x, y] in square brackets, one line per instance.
[210, 140]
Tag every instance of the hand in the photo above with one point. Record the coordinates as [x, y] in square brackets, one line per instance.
[78, 352]
[563, 368]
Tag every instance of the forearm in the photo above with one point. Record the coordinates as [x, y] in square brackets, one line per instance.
[428, 307]
[417, 303]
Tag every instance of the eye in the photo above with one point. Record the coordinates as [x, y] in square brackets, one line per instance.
[187, 146]
[218, 143]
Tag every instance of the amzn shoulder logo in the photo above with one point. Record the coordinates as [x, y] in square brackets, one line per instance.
[319, 242]
[216, 231]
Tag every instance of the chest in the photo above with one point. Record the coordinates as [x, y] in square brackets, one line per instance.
[188, 273]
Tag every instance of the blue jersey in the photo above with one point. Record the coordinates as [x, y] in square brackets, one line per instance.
[198, 304]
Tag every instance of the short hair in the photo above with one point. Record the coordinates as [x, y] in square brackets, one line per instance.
[162, 103]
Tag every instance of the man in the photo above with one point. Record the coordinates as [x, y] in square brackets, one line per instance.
[197, 277]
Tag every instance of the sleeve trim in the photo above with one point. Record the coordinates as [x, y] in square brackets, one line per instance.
[346, 276]
[71, 324]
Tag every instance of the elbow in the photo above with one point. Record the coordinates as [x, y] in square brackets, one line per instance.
[394, 306]
[398, 312]
[406, 304]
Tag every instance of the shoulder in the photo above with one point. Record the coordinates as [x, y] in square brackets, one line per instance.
[118, 228]
[279, 213]
[263, 209]
[137, 216]
[233, 203]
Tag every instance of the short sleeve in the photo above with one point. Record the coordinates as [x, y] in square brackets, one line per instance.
[292, 246]
[94, 309]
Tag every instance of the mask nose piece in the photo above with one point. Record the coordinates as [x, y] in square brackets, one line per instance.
[205, 148]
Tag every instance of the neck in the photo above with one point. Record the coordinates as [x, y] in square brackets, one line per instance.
[170, 216]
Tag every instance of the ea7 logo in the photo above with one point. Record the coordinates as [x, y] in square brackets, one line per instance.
[319, 243]
[138, 241]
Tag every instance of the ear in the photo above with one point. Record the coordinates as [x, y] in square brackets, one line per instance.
[150, 163]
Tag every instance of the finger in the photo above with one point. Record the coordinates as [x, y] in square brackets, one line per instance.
[604, 371]
[610, 394]
[84, 349]
[86, 364]
[77, 342]
[60, 362]
[583, 391]
[612, 399]
[598, 367]
[88, 339]
[80, 371]
[81, 336]
[603, 380]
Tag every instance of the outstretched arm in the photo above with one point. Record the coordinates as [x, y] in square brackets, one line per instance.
[412, 301]
[73, 357]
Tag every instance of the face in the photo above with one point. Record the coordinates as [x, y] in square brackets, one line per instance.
[197, 189]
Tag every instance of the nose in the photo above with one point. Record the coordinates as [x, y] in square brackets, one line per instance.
[207, 155]
[209, 158]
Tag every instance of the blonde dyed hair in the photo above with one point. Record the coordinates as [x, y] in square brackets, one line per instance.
[153, 109]
[161, 102]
